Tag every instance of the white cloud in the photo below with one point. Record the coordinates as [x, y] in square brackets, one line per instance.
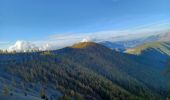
[87, 39]
[22, 46]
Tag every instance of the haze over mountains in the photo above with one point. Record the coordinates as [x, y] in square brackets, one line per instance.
[123, 45]
[118, 42]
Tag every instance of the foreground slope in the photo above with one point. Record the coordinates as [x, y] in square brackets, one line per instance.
[85, 70]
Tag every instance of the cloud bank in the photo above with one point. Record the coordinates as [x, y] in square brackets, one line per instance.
[58, 40]
[55, 42]
[22, 46]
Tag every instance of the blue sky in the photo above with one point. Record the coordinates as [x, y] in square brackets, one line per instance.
[33, 20]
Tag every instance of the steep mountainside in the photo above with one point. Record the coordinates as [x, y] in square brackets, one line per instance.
[157, 52]
[154, 54]
[85, 70]
[134, 66]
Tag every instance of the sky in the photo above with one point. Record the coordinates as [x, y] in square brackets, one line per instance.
[47, 21]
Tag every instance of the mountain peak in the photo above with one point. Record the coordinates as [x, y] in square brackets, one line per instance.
[82, 45]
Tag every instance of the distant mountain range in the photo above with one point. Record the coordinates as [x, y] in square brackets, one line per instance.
[123, 45]
[86, 70]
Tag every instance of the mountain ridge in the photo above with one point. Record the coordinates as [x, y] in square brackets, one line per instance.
[163, 47]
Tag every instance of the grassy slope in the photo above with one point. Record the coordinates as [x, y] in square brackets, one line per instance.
[162, 47]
